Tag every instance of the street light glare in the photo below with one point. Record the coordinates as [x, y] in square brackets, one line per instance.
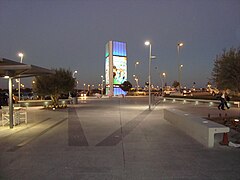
[147, 43]
[180, 44]
[20, 54]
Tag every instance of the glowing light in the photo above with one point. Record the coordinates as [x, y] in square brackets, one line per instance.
[147, 43]
[20, 55]
[180, 44]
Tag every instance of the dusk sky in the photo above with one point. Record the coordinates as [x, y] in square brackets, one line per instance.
[72, 34]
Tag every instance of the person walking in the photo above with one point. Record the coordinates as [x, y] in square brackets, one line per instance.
[223, 101]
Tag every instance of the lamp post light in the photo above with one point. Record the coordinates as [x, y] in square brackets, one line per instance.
[147, 43]
[136, 79]
[21, 55]
[84, 88]
[77, 84]
[102, 85]
[180, 75]
[136, 63]
[179, 45]
[163, 79]
[73, 75]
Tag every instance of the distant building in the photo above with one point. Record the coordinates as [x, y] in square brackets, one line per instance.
[115, 67]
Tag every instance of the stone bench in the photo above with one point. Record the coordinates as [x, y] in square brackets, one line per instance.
[237, 103]
[198, 128]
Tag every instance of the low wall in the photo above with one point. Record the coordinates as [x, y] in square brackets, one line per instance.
[31, 103]
[198, 128]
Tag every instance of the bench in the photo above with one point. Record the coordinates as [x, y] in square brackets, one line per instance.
[237, 103]
[198, 128]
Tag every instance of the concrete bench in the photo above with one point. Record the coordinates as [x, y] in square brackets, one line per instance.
[237, 103]
[198, 128]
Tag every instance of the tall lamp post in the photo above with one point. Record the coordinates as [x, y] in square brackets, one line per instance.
[136, 77]
[147, 43]
[136, 63]
[21, 55]
[179, 45]
[164, 79]
[84, 88]
[180, 74]
[75, 82]
[102, 85]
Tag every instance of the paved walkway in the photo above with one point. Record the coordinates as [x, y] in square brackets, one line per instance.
[114, 138]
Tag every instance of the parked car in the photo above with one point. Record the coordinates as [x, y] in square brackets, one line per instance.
[168, 90]
[186, 92]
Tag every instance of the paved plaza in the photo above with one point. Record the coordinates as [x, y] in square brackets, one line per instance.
[112, 139]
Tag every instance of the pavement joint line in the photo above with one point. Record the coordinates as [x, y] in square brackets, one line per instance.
[115, 138]
[76, 135]
[35, 137]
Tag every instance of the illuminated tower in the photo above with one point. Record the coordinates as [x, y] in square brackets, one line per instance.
[115, 66]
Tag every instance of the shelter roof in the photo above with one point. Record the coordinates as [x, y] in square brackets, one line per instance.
[20, 70]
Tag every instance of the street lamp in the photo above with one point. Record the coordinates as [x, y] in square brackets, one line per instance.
[136, 79]
[136, 63]
[147, 43]
[179, 45]
[102, 85]
[73, 75]
[164, 79]
[180, 74]
[21, 55]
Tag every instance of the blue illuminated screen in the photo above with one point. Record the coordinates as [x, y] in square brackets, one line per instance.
[119, 48]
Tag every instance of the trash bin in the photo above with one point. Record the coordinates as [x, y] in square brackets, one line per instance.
[74, 100]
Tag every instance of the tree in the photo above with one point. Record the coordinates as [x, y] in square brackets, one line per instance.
[175, 84]
[226, 70]
[126, 86]
[54, 85]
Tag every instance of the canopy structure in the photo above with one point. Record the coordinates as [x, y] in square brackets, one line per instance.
[12, 70]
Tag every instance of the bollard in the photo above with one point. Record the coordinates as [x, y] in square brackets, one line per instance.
[209, 116]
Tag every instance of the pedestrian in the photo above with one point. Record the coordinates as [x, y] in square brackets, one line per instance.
[223, 101]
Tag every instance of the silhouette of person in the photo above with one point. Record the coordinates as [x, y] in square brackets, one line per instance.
[223, 101]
